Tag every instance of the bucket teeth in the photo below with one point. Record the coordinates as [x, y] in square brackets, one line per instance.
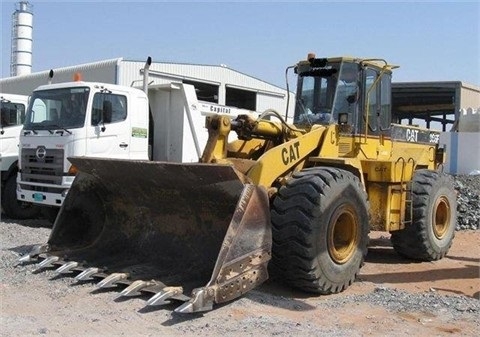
[32, 255]
[202, 300]
[25, 259]
[134, 288]
[110, 280]
[46, 263]
[161, 297]
[185, 308]
[66, 267]
[87, 274]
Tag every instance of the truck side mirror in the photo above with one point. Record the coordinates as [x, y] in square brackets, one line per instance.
[107, 112]
[96, 116]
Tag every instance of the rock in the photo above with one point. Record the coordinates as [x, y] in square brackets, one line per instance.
[468, 201]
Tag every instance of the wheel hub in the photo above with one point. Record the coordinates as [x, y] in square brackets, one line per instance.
[441, 217]
[343, 236]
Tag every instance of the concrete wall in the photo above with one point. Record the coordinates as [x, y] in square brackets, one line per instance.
[469, 120]
[463, 147]
[463, 151]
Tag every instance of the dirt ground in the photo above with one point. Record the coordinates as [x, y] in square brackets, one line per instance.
[393, 296]
[458, 273]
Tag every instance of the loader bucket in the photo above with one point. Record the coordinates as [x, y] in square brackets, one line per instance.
[191, 232]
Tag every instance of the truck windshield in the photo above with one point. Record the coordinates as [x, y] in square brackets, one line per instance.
[63, 108]
[324, 92]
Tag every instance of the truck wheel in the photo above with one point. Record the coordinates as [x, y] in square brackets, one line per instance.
[430, 234]
[14, 208]
[320, 230]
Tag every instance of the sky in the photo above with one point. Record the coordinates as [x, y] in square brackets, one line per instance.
[429, 40]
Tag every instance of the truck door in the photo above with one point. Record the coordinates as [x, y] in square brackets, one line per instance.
[108, 134]
[12, 117]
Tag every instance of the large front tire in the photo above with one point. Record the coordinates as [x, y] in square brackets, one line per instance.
[430, 234]
[14, 208]
[320, 230]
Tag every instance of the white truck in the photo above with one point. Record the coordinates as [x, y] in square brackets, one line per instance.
[106, 120]
[13, 109]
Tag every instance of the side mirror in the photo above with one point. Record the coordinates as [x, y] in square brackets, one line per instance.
[107, 112]
[96, 116]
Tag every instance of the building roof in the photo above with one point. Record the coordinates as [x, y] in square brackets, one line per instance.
[431, 101]
[124, 72]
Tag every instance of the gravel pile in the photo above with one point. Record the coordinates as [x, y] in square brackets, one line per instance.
[468, 201]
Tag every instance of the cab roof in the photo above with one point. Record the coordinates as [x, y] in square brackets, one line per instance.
[76, 84]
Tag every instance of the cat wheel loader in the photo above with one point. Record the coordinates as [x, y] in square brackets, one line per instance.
[296, 199]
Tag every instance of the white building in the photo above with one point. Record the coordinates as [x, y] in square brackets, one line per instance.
[217, 84]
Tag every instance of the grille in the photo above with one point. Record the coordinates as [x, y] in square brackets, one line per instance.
[48, 170]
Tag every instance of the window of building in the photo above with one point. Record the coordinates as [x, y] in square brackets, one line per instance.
[205, 91]
[240, 98]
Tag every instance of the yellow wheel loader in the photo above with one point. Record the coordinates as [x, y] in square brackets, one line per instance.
[299, 198]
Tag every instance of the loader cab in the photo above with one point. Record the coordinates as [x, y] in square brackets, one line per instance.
[351, 92]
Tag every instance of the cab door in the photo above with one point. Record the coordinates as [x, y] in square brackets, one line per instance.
[378, 102]
[108, 134]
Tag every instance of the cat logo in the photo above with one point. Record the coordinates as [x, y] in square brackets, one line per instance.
[291, 154]
[412, 135]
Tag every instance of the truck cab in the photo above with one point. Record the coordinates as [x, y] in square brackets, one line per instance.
[85, 119]
[13, 108]
[77, 119]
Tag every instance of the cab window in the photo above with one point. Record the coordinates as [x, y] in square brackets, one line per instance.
[385, 102]
[108, 108]
[12, 114]
[371, 99]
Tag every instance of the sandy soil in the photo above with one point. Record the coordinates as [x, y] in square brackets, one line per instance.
[41, 304]
[458, 273]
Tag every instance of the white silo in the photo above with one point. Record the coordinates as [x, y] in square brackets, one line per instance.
[22, 40]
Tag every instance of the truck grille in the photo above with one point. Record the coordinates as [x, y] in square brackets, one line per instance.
[48, 170]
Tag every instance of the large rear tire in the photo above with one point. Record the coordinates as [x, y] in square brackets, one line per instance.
[431, 232]
[320, 230]
[16, 209]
